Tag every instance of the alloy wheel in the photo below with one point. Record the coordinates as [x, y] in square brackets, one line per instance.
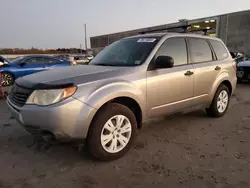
[116, 134]
[222, 101]
[7, 79]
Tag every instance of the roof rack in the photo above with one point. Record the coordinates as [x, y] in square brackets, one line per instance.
[165, 29]
[185, 30]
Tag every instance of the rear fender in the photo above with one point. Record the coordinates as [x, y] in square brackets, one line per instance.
[223, 76]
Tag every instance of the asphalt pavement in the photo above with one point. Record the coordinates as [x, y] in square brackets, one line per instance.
[182, 150]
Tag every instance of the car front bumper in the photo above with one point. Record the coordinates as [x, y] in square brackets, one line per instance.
[243, 73]
[68, 119]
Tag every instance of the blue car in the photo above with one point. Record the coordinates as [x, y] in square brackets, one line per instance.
[23, 66]
[3, 60]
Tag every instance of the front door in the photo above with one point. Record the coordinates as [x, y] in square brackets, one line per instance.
[32, 65]
[170, 89]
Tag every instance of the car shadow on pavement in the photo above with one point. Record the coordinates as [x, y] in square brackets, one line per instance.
[13, 136]
[15, 140]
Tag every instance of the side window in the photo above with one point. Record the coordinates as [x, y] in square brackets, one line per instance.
[51, 60]
[176, 48]
[35, 60]
[219, 49]
[199, 50]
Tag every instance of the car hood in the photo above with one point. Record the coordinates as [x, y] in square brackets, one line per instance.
[78, 74]
[243, 64]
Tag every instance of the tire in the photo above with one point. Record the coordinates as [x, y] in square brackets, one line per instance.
[7, 79]
[216, 110]
[114, 146]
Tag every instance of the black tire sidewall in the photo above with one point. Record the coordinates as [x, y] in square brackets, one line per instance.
[213, 108]
[94, 135]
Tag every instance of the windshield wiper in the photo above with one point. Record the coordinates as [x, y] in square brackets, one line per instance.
[115, 64]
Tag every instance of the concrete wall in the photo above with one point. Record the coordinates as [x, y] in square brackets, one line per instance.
[222, 28]
[235, 31]
[98, 42]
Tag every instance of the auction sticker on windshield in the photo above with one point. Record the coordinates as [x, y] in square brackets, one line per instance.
[146, 40]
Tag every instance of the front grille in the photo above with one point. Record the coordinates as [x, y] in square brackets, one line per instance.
[245, 71]
[19, 95]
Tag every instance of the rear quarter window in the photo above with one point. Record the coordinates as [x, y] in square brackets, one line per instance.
[219, 49]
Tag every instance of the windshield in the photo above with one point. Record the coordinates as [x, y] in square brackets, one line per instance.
[3, 60]
[126, 52]
[16, 60]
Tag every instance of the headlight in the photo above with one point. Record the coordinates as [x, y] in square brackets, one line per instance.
[46, 97]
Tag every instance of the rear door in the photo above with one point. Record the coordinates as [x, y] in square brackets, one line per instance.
[206, 68]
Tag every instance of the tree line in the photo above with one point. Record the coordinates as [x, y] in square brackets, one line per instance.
[40, 51]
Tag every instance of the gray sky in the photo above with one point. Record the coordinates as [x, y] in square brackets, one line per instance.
[60, 23]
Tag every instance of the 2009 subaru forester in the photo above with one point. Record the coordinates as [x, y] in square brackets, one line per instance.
[127, 83]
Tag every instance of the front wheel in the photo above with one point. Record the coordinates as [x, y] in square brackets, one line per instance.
[112, 132]
[220, 102]
[7, 79]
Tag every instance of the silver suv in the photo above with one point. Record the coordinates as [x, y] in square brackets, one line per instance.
[127, 83]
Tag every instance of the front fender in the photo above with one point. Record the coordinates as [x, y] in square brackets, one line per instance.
[98, 95]
[114, 90]
[10, 70]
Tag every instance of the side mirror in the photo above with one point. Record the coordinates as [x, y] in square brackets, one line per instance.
[163, 62]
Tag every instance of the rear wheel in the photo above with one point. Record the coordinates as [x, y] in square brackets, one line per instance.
[112, 132]
[7, 79]
[220, 102]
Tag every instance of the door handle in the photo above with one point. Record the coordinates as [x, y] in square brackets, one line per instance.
[189, 73]
[217, 68]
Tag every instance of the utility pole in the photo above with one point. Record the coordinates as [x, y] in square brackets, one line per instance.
[81, 48]
[85, 36]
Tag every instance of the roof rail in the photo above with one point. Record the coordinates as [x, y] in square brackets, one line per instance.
[165, 29]
[185, 30]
